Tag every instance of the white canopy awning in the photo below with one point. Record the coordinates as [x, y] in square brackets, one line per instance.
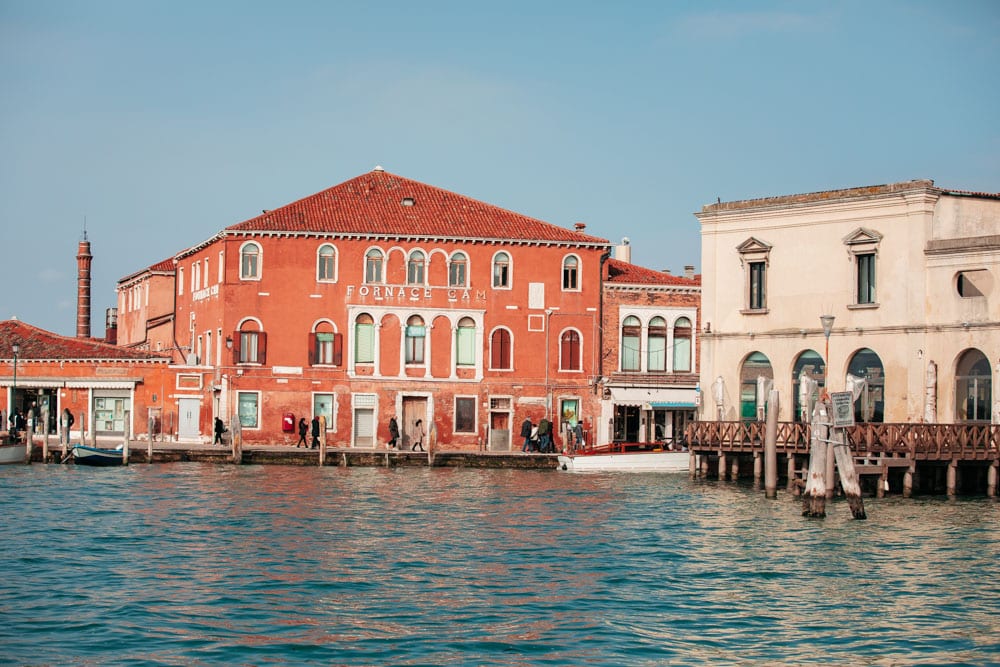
[649, 397]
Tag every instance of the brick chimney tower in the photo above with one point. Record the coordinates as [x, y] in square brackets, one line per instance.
[83, 259]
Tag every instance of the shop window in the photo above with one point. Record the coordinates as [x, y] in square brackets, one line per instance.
[248, 407]
[465, 414]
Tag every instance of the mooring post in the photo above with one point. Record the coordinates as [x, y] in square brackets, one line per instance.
[692, 464]
[722, 466]
[322, 451]
[45, 432]
[771, 447]
[758, 469]
[149, 443]
[908, 480]
[848, 474]
[991, 479]
[831, 472]
[814, 497]
[734, 468]
[952, 483]
[236, 426]
[28, 440]
[125, 443]
[791, 470]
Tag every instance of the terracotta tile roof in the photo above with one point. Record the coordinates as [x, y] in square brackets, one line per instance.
[620, 272]
[40, 345]
[163, 266]
[381, 203]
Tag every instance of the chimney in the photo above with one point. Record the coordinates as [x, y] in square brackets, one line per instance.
[688, 271]
[111, 326]
[623, 252]
[579, 226]
[83, 260]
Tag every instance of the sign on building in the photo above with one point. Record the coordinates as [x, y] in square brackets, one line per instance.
[843, 408]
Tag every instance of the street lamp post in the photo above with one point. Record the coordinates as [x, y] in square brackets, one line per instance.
[827, 322]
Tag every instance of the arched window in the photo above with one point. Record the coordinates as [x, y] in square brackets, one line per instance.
[416, 334]
[466, 342]
[682, 345]
[973, 388]
[364, 339]
[570, 273]
[656, 345]
[501, 270]
[456, 270]
[250, 261]
[326, 348]
[569, 351]
[500, 357]
[373, 266]
[756, 365]
[870, 406]
[415, 268]
[809, 364]
[249, 344]
[326, 263]
[631, 343]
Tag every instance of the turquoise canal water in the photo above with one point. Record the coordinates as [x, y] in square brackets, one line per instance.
[198, 564]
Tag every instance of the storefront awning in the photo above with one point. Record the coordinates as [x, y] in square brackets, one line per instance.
[673, 405]
[651, 397]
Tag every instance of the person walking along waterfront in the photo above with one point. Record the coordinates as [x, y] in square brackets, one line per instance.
[526, 428]
[303, 430]
[418, 435]
[315, 433]
[393, 432]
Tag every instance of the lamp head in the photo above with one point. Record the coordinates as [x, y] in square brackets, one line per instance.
[827, 321]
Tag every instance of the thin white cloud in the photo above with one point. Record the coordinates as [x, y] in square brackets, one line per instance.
[730, 25]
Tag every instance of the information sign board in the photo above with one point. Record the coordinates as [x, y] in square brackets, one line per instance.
[843, 408]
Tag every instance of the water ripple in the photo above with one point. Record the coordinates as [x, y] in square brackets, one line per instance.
[201, 564]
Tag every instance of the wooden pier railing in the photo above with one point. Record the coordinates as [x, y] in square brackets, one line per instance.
[930, 442]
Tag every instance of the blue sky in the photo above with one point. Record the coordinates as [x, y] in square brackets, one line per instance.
[161, 122]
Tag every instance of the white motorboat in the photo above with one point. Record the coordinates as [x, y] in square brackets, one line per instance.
[657, 460]
[12, 453]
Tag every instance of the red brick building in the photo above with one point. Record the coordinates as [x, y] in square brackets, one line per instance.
[650, 378]
[375, 297]
[106, 387]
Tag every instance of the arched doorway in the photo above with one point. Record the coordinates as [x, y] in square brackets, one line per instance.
[756, 365]
[973, 388]
[809, 363]
[870, 406]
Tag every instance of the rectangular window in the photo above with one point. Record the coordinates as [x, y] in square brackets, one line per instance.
[630, 350]
[222, 267]
[465, 414]
[466, 346]
[415, 344]
[866, 278]
[364, 351]
[248, 402]
[456, 274]
[249, 347]
[757, 285]
[328, 349]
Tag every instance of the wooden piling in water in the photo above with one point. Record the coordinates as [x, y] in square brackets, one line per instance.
[125, 443]
[149, 440]
[722, 466]
[952, 484]
[814, 497]
[848, 475]
[991, 479]
[771, 446]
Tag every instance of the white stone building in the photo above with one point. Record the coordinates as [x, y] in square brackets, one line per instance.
[910, 273]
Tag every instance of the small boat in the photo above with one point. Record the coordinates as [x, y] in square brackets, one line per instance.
[608, 460]
[95, 456]
[12, 453]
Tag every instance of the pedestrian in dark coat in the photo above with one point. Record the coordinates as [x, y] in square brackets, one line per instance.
[393, 432]
[315, 432]
[220, 428]
[526, 427]
[303, 430]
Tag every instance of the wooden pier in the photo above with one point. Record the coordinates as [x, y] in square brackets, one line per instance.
[173, 452]
[895, 458]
